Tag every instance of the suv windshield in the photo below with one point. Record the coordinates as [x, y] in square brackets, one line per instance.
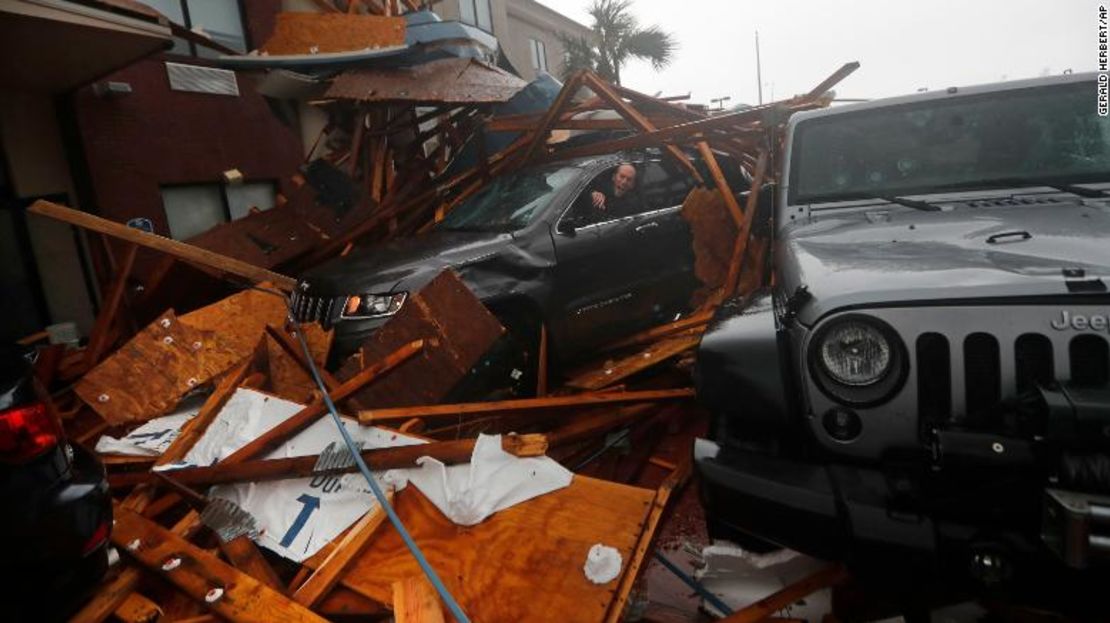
[1042, 134]
[510, 202]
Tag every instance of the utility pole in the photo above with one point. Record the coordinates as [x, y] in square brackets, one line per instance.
[758, 69]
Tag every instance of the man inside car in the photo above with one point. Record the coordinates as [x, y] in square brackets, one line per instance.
[616, 199]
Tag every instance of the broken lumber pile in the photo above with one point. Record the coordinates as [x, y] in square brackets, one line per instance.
[251, 506]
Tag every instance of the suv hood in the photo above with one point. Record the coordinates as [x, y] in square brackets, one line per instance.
[891, 254]
[403, 264]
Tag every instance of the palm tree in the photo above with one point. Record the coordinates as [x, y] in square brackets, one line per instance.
[617, 38]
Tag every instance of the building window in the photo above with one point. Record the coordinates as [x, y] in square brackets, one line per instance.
[539, 54]
[476, 13]
[193, 209]
[221, 21]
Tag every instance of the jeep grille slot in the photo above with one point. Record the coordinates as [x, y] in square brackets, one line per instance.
[313, 308]
[1033, 361]
[982, 373]
[1090, 360]
[934, 380]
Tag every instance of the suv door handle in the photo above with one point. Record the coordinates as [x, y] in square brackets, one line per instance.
[646, 226]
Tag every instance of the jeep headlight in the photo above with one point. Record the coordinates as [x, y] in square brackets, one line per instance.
[364, 306]
[858, 360]
[855, 354]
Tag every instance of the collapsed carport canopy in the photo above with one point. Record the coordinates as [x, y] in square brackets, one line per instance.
[445, 81]
[55, 45]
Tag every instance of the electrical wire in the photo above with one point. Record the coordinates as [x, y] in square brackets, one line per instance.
[421, 560]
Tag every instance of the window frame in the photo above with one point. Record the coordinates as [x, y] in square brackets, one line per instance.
[538, 49]
[591, 178]
[225, 201]
[477, 14]
[188, 25]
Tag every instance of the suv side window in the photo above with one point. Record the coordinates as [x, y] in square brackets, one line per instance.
[664, 185]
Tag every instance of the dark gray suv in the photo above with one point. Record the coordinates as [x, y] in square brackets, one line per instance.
[533, 248]
[927, 384]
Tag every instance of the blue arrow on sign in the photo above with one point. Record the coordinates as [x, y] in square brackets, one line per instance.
[311, 503]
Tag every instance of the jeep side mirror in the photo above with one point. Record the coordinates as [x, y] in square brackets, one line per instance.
[567, 226]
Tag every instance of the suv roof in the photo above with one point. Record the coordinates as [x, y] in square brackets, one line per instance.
[950, 92]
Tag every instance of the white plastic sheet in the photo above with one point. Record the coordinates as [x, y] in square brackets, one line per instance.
[492, 481]
[296, 516]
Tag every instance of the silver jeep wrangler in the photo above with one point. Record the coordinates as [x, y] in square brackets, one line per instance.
[926, 385]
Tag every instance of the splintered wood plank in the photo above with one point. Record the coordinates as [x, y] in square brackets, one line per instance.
[149, 374]
[180, 250]
[202, 576]
[242, 318]
[327, 575]
[138, 609]
[522, 405]
[457, 329]
[645, 544]
[306, 416]
[522, 564]
[415, 601]
[448, 452]
[115, 591]
[614, 372]
[194, 429]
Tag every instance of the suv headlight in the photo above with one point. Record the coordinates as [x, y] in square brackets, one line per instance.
[854, 353]
[858, 360]
[364, 306]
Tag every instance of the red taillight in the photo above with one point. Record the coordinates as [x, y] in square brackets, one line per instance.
[99, 536]
[26, 432]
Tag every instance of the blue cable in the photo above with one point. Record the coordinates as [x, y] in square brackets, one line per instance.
[444, 594]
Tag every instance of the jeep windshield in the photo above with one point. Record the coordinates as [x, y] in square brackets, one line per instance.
[1050, 136]
[510, 202]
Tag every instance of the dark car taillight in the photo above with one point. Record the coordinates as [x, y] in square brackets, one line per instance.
[26, 432]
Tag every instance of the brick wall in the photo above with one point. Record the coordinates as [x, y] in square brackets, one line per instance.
[135, 142]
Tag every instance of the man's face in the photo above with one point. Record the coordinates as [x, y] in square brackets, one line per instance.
[624, 179]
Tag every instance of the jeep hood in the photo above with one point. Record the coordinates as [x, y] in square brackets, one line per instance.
[894, 255]
[403, 264]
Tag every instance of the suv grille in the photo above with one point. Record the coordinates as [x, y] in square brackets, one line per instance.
[313, 308]
[1034, 357]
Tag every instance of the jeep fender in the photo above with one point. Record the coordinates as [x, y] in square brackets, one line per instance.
[739, 371]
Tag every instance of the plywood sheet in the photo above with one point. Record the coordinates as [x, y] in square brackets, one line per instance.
[522, 564]
[147, 376]
[241, 319]
[324, 33]
[457, 330]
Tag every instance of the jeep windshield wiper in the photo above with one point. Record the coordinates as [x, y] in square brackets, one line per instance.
[904, 201]
[1032, 182]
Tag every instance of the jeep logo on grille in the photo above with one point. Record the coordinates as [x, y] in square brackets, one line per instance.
[1081, 322]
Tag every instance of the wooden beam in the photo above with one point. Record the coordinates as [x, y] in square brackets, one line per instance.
[194, 429]
[138, 609]
[185, 252]
[745, 229]
[516, 406]
[306, 416]
[606, 92]
[723, 186]
[541, 362]
[606, 375]
[674, 482]
[202, 576]
[98, 337]
[111, 595]
[328, 574]
[415, 601]
[655, 333]
[845, 70]
[449, 452]
[760, 610]
[539, 139]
